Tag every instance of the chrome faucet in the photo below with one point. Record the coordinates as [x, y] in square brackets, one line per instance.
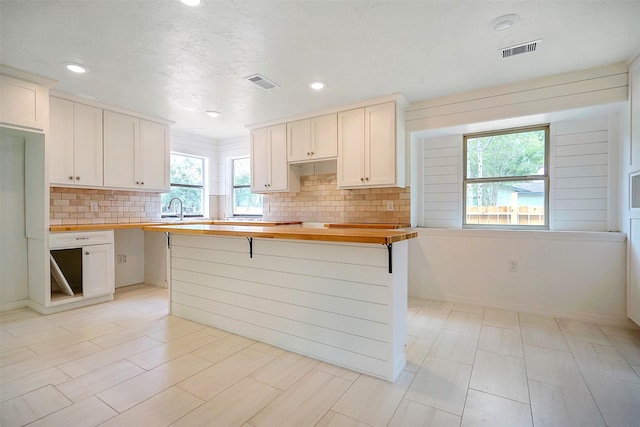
[169, 206]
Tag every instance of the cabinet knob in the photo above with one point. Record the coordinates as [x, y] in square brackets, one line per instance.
[137, 182]
[70, 177]
[308, 153]
[142, 183]
[87, 253]
[312, 153]
[362, 179]
[78, 178]
[366, 179]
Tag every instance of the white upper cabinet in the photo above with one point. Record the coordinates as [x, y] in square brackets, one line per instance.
[75, 144]
[121, 143]
[23, 104]
[154, 156]
[368, 148]
[136, 153]
[351, 148]
[270, 171]
[366, 138]
[312, 139]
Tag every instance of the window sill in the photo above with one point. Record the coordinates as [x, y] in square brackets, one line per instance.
[604, 236]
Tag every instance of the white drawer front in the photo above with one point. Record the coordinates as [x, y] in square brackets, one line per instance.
[78, 239]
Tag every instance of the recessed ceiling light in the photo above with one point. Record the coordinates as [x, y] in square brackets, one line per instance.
[504, 22]
[191, 2]
[212, 113]
[317, 85]
[76, 68]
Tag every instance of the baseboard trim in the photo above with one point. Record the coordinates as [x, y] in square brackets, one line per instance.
[39, 308]
[602, 319]
[14, 305]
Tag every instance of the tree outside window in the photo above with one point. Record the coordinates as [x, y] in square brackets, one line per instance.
[506, 180]
[187, 183]
[245, 203]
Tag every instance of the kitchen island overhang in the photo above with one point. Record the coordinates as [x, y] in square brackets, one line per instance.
[327, 294]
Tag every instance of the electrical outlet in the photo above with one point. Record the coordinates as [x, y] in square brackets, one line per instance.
[94, 206]
[390, 205]
[513, 266]
[122, 259]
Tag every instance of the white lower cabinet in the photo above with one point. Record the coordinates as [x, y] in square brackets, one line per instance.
[82, 269]
[97, 270]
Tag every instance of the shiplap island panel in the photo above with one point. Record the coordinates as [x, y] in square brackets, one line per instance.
[335, 301]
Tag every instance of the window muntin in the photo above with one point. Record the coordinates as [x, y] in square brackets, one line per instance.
[244, 202]
[505, 178]
[187, 183]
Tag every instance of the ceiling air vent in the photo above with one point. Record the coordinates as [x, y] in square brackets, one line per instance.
[261, 81]
[520, 48]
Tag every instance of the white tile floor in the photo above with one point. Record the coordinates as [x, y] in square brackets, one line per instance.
[128, 363]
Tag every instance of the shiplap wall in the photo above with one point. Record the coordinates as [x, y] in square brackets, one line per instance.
[442, 182]
[566, 91]
[580, 177]
[331, 301]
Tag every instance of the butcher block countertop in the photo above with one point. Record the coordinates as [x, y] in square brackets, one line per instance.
[365, 225]
[349, 235]
[124, 225]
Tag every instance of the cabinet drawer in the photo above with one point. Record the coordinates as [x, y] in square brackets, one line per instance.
[78, 239]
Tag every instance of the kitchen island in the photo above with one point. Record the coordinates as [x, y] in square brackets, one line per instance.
[337, 295]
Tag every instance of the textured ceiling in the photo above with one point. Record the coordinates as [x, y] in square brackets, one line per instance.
[169, 60]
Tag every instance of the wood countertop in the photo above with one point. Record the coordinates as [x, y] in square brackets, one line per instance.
[365, 225]
[348, 235]
[125, 225]
[252, 223]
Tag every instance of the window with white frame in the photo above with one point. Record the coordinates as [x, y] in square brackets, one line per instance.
[506, 182]
[244, 202]
[187, 183]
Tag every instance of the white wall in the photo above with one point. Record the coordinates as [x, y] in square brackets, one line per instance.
[575, 275]
[14, 285]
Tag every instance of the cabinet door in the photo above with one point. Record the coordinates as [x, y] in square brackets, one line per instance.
[120, 150]
[154, 156]
[279, 168]
[298, 140]
[380, 148]
[324, 137]
[351, 171]
[260, 160]
[98, 274]
[60, 142]
[22, 104]
[87, 138]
